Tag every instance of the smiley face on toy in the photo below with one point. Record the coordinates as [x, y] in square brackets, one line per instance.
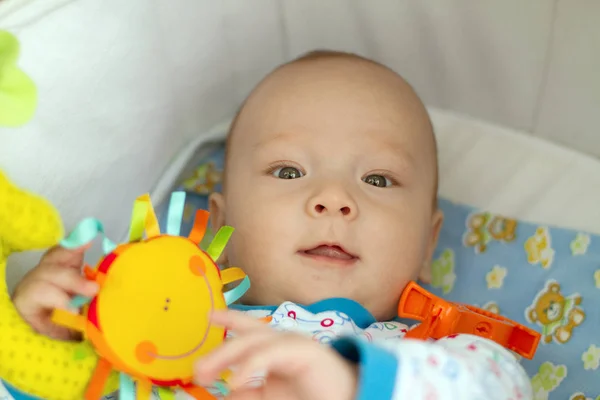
[153, 308]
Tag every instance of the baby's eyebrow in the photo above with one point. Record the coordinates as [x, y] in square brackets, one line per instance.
[278, 137]
[396, 152]
[391, 150]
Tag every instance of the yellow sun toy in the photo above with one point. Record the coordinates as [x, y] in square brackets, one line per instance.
[150, 320]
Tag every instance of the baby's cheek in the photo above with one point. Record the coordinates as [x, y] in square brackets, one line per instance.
[253, 243]
[396, 236]
[398, 251]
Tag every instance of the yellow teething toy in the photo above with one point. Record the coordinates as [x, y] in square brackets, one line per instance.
[31, 362]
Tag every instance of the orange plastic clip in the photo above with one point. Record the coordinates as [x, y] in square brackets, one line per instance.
[441, 318]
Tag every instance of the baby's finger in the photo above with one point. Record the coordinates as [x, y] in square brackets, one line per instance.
[36, 310]
[68, 279]
[41, 296]
[232, 352]
[284, 357]
[238, 322]
[68, 257]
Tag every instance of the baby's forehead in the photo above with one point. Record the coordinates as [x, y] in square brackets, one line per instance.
[339, 92]
[334, 98]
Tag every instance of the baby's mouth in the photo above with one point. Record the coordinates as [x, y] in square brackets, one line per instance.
[333, 252]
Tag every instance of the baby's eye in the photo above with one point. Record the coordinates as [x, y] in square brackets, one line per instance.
[377, 180]
[287, 173]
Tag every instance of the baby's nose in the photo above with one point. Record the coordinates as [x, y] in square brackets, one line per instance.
[320, 209]
[332, 204]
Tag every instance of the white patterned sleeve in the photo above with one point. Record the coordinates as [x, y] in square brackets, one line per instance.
[463, 367]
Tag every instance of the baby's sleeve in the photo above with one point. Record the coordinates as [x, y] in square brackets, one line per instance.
[462, 367]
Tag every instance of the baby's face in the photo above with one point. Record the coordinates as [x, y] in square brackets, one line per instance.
[330, 184]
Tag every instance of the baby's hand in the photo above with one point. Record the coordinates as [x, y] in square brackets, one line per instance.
[52, 284]
[296, 367]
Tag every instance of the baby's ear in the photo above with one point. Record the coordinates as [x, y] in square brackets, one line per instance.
[216, 208]
[437, 219]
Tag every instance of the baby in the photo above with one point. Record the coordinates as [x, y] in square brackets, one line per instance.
[331, 186]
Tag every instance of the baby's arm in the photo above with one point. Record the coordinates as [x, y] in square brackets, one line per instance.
[463, 367]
